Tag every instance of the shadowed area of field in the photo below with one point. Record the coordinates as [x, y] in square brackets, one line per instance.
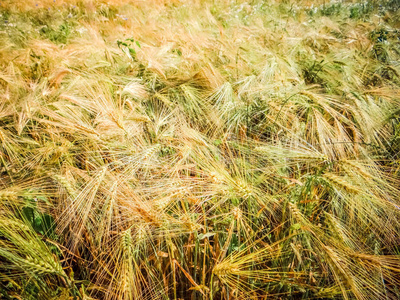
[210, 150]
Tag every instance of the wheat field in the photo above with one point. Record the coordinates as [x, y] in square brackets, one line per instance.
[213, 150]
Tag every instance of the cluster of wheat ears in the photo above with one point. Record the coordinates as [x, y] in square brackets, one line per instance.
[199, 149]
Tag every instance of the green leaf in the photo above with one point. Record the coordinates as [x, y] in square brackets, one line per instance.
[43, 198]
[132, 52]
[29, 214]
[217, 142]
[296, 226]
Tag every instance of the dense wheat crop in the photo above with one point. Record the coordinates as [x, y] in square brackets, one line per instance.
[199, 149]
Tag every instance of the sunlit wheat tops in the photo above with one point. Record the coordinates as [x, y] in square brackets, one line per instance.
[195, 150]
